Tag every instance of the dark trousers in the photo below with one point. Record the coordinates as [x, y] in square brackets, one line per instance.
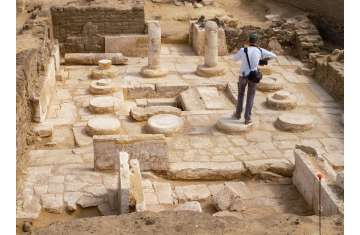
[243, 82]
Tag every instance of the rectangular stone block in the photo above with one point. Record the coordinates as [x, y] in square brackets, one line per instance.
[131, 45]
[163, 192]
[170, 89]
[150, 150]
[140, 91]
[307, 183]
[136, 185]
[197, 40]
[124, 183]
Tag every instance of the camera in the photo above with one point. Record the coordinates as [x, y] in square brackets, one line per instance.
[263, 62]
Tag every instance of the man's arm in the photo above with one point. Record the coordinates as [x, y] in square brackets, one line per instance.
[237, 56]
[267, 54]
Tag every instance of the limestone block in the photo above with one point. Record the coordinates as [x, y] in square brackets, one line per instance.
[270, 83]
[103, 126]
[211, 98]
[340, 179]
[306, 181]
[206, 71]
[294, 122]
[62, 75]
[232, 126]
[52, 203]
[140, 91]
[224, 199]
[164, 193]
[196, 192]
[81, 137]
[43, 130]
[87, 200]
[150, 150]
[93, 58]
[189, 206]
[70, 199]
[279, 166]
[232, 92]
[103, 104]
[104, 73]
[167, 124]
[136, 185]
[281, 100]
[104, 64]
[170, 89]
[56, 55]
[124, 183]
[101, 87]
[206, 170]
[162, 102]
[143, 114]
[131, 45]
[190, 100]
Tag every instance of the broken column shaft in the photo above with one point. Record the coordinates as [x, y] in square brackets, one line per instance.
[153, 69]
[211, 67]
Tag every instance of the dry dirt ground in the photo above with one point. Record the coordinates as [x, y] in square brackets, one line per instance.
[173, 223]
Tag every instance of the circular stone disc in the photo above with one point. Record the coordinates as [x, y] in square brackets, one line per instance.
[232, 126]
[281, 100]
[104, 64]
[269, 83]
[102, 104]
[281, 95]
[294, 122]
[99, 73]
[165, 124]
[100, 87]
[103, 126]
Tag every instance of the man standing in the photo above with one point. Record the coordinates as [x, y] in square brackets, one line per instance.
[249, 62]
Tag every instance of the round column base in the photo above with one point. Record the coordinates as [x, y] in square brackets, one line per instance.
[146, 72]
[205, 71]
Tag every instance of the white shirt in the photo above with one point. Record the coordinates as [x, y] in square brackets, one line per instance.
[254, 56]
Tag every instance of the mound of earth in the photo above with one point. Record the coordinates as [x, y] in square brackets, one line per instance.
[186, 222]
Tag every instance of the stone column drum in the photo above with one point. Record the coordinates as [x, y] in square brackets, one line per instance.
[153, 68]
[211, 67]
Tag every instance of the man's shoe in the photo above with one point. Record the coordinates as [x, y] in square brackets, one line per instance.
[248, 122]
[235, 116]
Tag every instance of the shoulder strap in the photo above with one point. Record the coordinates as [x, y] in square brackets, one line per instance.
[260, 51]
[247, 57]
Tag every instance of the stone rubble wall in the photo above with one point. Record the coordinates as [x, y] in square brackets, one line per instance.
[31, 66]
[82, 29]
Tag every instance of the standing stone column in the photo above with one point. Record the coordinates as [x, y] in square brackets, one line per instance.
[153, 69]
[211, 67]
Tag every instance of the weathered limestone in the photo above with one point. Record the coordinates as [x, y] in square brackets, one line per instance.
[306, 181]
[267, 84]
[136, 185]
[99, 73]
[150, 150]
[281, 100]
[189, 206]
[232, 126]
[101, 87]
[124, 183]
[105, 64]
[132, 45]
[43, 130]
[103, 126]
[93, 58]
[211, 98]
[102, 104]
[143, 114]
[52, 203]
[198, 192]
[167, 124]
[340, 179]
[265, 70]
[281, 167]
[294, 122]
[224, 198]
[211, 67]
[153, 68]
[164, 193]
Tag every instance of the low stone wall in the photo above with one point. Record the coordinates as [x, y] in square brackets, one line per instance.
[157, 90]
[197, 40]
[150, 150]
[83, 28]
[131, 45]
[306, 181]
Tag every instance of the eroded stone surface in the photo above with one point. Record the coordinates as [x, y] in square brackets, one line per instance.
[164, 193]
[196, 192]
[189, 206]
[124, 183]
[102, 104]
[143, 114]
[103, 126]
[232, 126]
[103, 74]
[167, 124]
[282, 100]
[270, 83]
[100, 87]
[295, 122]
[105, 64]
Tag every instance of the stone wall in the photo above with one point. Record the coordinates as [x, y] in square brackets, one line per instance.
[327, 15]
[82, 28]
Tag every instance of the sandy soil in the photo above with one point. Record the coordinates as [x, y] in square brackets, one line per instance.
[192, 223]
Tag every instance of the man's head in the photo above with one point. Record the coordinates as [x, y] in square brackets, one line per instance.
[252, 38]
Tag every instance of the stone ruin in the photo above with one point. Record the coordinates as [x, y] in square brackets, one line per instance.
[125, 134]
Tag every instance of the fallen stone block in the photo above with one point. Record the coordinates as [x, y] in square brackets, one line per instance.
[150, 150]
[93, 58]
[224, 198]
[140, 91]
[198, 192]
[279, 166]
[70, 200]
[52, 203]
[164, 193]
[88, 200]
[189, 206]
[43, 130]
[143, 114]
[170, 89]
[136, 185]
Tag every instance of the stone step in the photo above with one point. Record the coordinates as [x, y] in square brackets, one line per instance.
[190, 100]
